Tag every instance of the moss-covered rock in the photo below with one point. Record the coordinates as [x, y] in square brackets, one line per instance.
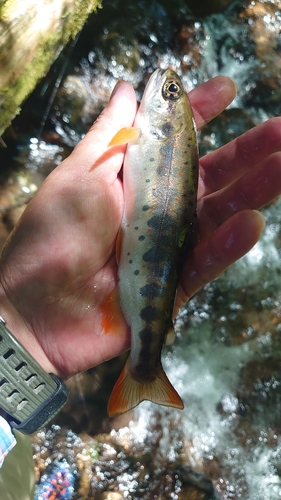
[47, 28]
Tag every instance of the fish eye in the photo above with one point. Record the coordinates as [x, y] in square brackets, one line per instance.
[172, 90]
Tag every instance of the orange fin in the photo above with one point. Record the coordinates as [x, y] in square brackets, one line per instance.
[128, 393]
[118, 245]
[112, 319]
[124, 136]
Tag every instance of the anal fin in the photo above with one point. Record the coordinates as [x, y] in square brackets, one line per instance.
[112, 318]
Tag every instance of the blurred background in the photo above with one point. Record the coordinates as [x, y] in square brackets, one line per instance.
[225, 362]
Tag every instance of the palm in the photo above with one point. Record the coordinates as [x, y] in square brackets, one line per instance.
[60, 266]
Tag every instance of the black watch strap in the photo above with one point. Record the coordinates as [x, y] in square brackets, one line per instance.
[29, 396]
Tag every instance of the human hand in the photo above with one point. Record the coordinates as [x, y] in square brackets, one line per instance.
[58, 265]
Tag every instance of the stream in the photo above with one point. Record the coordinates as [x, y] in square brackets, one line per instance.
[225, 362]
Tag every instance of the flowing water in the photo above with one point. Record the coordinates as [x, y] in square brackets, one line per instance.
[225, 362]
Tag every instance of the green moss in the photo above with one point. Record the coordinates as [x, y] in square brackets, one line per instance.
[11, 97]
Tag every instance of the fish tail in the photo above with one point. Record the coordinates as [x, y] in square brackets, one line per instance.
[128, 392]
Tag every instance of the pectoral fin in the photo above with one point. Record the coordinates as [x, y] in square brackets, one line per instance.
[124, 136]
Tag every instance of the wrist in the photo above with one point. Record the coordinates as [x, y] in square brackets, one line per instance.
[29, 396]
[23, 333]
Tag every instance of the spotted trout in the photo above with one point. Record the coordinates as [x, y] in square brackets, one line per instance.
[160, 175]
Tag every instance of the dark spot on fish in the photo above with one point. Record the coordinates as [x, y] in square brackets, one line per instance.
[136, 272]
[159, 254]
[151, 290]
[130, 261]
[141, 238]
[163, 170]
[167, 128]
[148, 314]
[147, 180]
[157, 222]
[136, 228]
[149, 256]
[145, 207]
[145, 335]
[165, 241]
[194, 167]
[129, 253]
[154, 222]
[151, 159]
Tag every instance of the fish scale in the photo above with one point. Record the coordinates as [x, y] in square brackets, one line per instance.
[160, 175]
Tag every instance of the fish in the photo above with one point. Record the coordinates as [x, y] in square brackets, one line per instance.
[158, 229]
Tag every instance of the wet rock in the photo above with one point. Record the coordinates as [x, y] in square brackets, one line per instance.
[190, 41]
[3, 233]
[264, 19]
[207, 7]
[111, 495]
[116, 465]
[90, 392]
[225, 127]
[225, 362]
[15, 192]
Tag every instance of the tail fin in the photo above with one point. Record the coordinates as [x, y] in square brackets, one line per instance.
[128, 393]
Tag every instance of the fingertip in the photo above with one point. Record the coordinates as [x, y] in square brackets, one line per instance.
[115, 89]
[236, 236]
[234, 85]
[123, 96]
[211, 98]
[224, 84]
[118, 113]
[260, 219]
[233, 239]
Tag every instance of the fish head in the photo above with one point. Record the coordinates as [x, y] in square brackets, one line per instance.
[163, 108]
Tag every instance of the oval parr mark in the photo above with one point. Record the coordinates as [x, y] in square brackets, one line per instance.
[145, 335]
[149, 256]
[151, 290]
[148, 314]
[158, 221]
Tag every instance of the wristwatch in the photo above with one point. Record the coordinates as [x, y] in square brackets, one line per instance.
[29, 396]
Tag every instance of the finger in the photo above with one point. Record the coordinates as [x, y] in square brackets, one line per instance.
[224, 166]
[120, 112]
[211, 98]
[252, 191]
[211, 257]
